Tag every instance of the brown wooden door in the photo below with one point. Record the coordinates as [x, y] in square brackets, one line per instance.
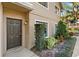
[14, 33]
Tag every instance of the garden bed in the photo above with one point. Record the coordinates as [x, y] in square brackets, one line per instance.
[63, 49]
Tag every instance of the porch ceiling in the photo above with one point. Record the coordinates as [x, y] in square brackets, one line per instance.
[14, 7]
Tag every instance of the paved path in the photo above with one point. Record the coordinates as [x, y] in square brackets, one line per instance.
[76, 49]
[20, 52]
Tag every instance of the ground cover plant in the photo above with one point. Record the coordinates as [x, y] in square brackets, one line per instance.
[60, 45]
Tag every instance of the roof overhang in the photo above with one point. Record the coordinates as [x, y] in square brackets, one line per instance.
[27, 5]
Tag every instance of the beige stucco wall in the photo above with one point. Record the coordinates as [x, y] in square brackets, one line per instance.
[32, 21]
[43, 14]
[46, 12]
[1, 29]
[38, 13]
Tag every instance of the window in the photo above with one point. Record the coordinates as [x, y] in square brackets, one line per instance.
[45, 4]
[46, 29]
[56, 10]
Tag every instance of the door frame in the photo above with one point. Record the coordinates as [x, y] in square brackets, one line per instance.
[15, 14]
[5, 32]
[7, 29]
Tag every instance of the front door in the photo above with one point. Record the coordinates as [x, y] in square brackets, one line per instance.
[14, 33]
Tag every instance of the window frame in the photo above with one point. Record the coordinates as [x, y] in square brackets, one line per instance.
[44, 6]
[47, 26]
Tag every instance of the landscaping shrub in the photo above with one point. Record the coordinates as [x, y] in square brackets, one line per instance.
[61, 32]
[39, 35]
[51, 41]
[71, 33]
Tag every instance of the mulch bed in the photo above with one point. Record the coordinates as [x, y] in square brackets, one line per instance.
[63, 49]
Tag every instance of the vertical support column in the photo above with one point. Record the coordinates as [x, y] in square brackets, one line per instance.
[1, 29]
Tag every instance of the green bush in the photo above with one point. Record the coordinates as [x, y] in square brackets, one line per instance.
[62, 30]
[51, 41]
[39, 35]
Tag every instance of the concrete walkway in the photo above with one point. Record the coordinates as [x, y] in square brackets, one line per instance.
[76, 48]
[20, 52]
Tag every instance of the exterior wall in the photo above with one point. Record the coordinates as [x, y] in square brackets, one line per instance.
[46, 12]
[39, 12]
[43, 14]
[32, 21]
[1, 29]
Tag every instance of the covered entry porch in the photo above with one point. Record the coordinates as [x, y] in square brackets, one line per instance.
[14, 22]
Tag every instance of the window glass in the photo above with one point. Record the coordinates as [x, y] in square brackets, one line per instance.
[46, 24]
[45, 4]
